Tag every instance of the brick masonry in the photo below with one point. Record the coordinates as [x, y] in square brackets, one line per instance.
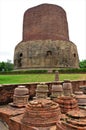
[45, 21]
[45, 42]
[13, 116]
[7, 91]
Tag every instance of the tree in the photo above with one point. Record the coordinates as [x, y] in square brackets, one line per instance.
[82, 64]
[6, 66]
[9, 65]
[2, 66]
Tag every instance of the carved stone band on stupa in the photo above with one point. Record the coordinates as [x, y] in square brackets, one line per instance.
[45, 42]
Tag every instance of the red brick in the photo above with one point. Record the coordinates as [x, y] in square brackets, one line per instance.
[45, 21]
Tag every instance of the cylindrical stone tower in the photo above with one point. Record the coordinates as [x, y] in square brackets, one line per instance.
[45, 41]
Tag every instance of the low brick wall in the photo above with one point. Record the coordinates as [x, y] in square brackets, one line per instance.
[7, 90]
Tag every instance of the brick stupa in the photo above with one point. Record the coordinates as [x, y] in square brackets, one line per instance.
[45, 42]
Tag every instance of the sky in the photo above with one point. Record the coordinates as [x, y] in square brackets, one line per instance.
[11, 24]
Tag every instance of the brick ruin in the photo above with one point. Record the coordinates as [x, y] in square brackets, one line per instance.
[45, 42]
[43, 111]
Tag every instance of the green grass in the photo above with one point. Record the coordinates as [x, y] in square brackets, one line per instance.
[26, 78]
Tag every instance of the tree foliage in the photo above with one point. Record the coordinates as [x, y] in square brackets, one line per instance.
[82, 64]
[6, 66]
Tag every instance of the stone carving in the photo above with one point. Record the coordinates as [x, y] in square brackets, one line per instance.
[67, 88]
[42, 91]
[56, 76]
[57, 91]
[20, 97]
[45, 41]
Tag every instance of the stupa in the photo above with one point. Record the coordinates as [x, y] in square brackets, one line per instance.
[20, 97]
[75, 120]
[45, 42]
[41, 113]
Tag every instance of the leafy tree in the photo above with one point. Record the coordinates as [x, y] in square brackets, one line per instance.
[82, 64]
[6, 66]
[9, 65]
[2, 66]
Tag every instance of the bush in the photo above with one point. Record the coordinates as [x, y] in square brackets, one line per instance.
[62, 70]
[82, 64]
[73, 70]
[25, 72]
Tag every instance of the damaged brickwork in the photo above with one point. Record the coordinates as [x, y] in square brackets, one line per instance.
[45, 42]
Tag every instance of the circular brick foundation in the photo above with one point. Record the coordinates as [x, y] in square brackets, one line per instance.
[41, 113]
[75, 120]
[67, 103]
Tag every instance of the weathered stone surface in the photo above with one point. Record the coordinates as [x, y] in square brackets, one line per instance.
[20, 97]
[81, 98]
[16, 124]
[57, 91]
[45, 54]
[7, 90]
[67, 88]
[42, 91]
[3, 126]
[56, 76]
[45, 42]
[6, 112]
[83, 88]
[11, 119]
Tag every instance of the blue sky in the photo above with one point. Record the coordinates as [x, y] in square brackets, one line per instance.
[11, 20]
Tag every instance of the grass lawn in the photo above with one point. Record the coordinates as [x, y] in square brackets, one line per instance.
[26, 78]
